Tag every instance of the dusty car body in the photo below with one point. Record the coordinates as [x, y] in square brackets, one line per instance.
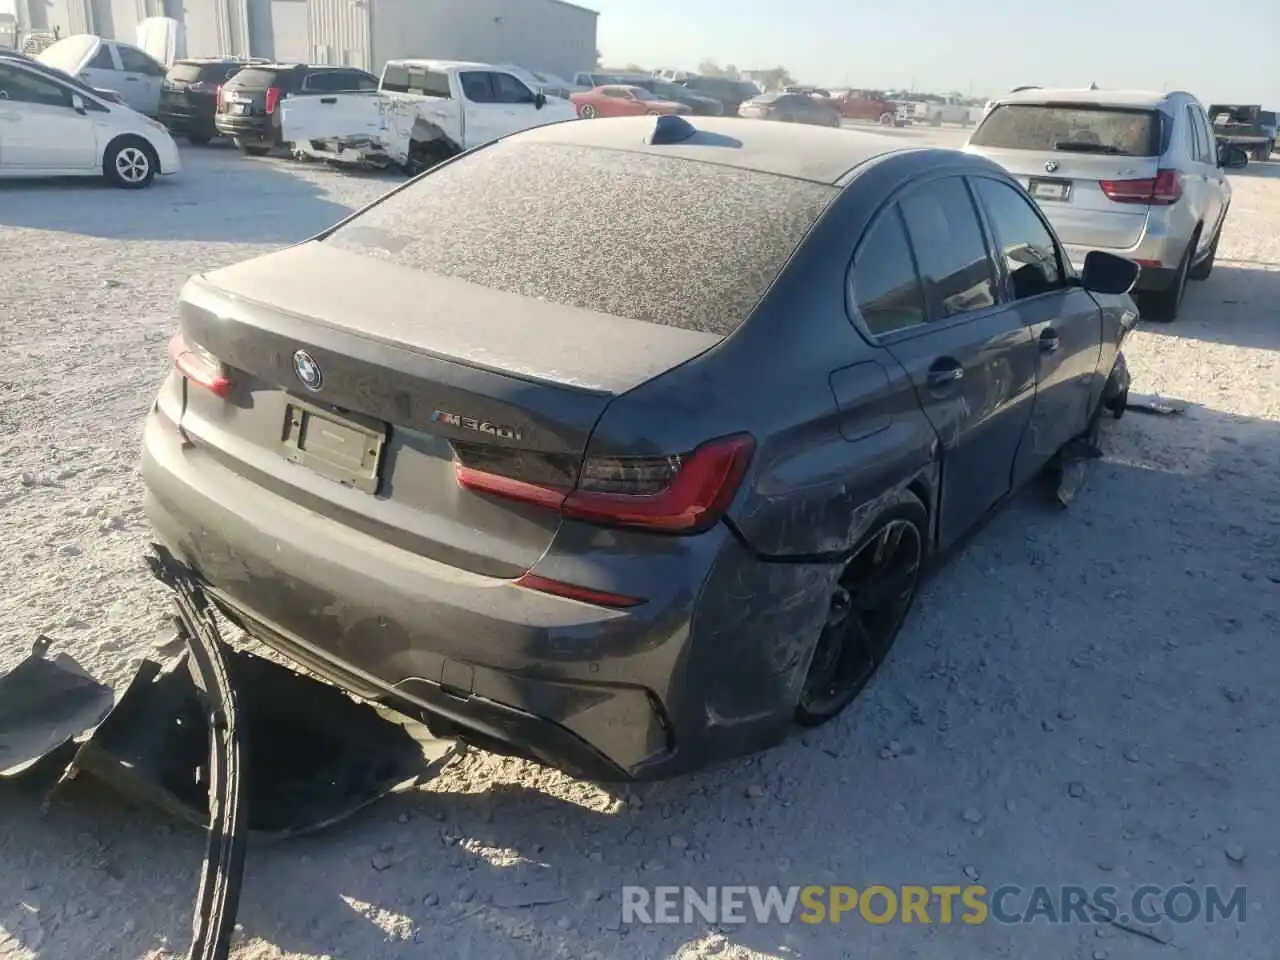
[550, 501]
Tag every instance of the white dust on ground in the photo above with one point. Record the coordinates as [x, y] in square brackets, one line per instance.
[1081, 697]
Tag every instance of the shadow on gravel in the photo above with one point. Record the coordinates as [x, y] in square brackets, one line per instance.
[218, 196]
[1081, 697]
[1239, 305]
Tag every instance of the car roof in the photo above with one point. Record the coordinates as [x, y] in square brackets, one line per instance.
[1135, 99]
[446, 64]
[818, 154]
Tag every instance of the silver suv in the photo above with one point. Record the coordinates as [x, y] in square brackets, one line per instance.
[1133, 173]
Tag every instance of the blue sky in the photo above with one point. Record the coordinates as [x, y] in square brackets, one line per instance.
[1220, 50]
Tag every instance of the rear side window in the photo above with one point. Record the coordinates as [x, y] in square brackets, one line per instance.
[102, 60]
[256, 78]
[1201, 151]
[951, 253]
[1072, 129]
[583, 227]
[886, 289]
[402, 78]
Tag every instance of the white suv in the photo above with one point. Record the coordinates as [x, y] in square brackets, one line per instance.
[1136, 174]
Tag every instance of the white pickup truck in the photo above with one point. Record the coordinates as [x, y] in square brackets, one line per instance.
[423, 112]
[950, 110]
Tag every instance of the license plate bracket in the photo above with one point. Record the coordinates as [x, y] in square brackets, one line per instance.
[342, 447]
[1043, 189]
[239, 108]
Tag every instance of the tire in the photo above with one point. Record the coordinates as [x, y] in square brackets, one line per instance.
[886, 119]
[1162, 306]
[653, 113]
[936, 120]
[251, 149]
[824, 696]
[587, 112]
[1263, 152]
[1202, 269]
[130, 163]
[198, 139]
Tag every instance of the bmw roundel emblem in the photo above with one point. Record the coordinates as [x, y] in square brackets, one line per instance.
[308, 371]
[1050, 166]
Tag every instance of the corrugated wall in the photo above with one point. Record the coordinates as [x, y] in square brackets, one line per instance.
[535, 34]
[338, 32]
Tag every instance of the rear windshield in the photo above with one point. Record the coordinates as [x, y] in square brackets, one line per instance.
[1267, 118]
[195, 72]
[411, 78]
[1071, 129]
[669, 241]
[256, 78]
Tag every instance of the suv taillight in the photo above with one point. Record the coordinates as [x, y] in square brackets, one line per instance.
[684, 493]
[218, 94]
[273, 99]
[1162, 190]
[199, 366]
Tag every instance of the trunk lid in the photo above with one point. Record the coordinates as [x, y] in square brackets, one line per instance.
[413, 374]
[1081, 213]
[1062, 152]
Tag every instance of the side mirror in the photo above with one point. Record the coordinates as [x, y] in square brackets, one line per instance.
[77, 104]
[1232, 157]
[1107, 273]
[539, 100]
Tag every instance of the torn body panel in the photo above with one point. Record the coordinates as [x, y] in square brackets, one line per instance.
[45, 705]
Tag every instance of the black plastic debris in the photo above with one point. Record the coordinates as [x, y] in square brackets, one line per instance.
[45, 704]
[313, 756]
[220, 738]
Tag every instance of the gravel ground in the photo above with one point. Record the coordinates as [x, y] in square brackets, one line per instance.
[1081, 697]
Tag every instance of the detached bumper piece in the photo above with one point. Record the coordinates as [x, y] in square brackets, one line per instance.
[219, 738]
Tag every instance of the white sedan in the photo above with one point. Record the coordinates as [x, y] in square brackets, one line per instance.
[53, 126]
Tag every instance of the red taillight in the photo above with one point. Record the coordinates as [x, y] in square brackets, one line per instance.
[686, 493]
[199, 366]
[273, 99]
[1163, 190]
[218, 94]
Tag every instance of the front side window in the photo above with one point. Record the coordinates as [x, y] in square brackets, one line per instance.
[21, 86]
[951, 253]
[507, 89]
[133, 60]
[1028, 249]
[886, 290]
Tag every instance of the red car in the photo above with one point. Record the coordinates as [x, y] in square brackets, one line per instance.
[865, 105]
[619, 100]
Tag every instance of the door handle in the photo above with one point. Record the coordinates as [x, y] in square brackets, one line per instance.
[944, 376]
[130, 79]
[328, 99]
[1049, 341]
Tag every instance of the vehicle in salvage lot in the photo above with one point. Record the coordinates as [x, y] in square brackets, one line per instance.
[791, 108]
[698, 104]
[487, 452]
[871, 106]
[249, 102]
[52, 126]
[189, 96]
[424, 111]
[1131, 172]
[619, 100]
[130, 71]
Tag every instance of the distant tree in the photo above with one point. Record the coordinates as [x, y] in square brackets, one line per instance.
[634, 68]
[709, 68]
[777, 78]
[598, 58]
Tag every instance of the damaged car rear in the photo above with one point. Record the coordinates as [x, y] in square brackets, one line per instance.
[594, 446]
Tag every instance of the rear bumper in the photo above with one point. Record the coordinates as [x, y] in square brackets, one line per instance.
[188, 122]
[1158, 250]
[255, 131]
[645, 693]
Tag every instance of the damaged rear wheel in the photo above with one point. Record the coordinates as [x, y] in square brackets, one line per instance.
[869, 604]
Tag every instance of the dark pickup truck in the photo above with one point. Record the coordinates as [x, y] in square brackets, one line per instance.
[1250, 128]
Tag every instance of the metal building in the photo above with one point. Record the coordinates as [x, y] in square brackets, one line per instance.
[548, 35]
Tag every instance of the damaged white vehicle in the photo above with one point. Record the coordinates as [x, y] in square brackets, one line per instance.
[423, 112]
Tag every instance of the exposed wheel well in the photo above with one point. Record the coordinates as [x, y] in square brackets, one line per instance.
[919, 488]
